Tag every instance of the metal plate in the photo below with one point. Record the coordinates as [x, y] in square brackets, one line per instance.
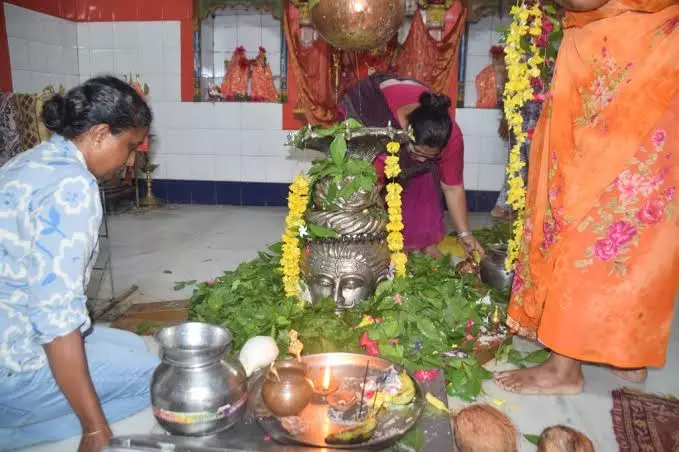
[320, 420]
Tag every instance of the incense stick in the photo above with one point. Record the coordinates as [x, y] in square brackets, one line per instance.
[365, 379]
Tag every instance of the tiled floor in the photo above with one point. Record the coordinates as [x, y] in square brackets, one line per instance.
[155, 249]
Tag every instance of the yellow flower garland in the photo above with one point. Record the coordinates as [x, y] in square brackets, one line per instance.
[393, 198]
[298, 199]
[517, 92]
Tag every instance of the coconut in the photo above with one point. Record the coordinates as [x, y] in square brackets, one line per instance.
[482, 428]
[563, 439]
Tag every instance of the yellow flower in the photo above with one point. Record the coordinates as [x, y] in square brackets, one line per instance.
[290, 251]
[391, 168]
[399, 261]
[393, 147]
[517, 91]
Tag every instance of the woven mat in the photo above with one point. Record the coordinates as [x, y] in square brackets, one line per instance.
[645, 422]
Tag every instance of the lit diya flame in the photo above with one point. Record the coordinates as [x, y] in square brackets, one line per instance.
[327, 383]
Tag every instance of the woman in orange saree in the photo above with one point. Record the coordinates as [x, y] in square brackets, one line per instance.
[599, 270]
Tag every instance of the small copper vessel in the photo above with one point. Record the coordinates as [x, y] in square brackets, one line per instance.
[288, 390]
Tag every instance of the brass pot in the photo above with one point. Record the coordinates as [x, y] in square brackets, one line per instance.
[358, 24]
[289, 392]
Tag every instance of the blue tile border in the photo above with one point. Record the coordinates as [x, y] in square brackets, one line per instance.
[261, 194]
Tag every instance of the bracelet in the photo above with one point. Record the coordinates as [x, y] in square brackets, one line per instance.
[96, 432]
[464, 234]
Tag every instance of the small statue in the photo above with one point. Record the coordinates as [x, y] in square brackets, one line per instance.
[263, 88]
[235, 82]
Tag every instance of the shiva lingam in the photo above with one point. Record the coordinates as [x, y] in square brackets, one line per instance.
[348, 267]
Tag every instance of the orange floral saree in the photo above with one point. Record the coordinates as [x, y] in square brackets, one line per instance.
[597, 277]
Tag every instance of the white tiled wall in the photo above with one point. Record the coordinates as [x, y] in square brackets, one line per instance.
[244, 142]
[485, 154]
[224, 141]
[481, 37]
[205, 141]
[148, 49]
[245, 27]
[42, 48]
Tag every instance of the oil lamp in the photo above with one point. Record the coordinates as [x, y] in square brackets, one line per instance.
[325, 383]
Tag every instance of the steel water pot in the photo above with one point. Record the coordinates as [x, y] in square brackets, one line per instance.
[493, 270]
[198, 389]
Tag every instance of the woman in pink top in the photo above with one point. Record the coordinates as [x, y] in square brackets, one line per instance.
[431, 168]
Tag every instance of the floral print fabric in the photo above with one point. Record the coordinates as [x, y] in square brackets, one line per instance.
[50, 215]
[599, 269]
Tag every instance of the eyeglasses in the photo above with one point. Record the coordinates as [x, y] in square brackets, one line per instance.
[429, 156]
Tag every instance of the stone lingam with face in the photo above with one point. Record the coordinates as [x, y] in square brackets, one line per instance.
[349, 266]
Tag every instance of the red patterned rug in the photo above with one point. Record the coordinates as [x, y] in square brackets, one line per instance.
[645, 422]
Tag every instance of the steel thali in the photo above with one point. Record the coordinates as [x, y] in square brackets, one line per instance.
[319, 419]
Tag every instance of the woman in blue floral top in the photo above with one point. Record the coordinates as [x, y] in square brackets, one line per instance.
[59, 377]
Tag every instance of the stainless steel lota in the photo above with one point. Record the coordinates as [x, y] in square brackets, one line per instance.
[198, 389]
[493, 270]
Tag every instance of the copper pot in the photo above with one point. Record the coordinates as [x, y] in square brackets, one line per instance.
[358, 24]
[290, 391]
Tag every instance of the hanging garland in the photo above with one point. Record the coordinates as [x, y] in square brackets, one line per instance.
[394, 204]
[298, 199]
[522, 67]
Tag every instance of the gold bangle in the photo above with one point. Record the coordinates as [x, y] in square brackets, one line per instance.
[96, 432]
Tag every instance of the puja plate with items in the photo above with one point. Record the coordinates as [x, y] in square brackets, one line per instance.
[358, 402]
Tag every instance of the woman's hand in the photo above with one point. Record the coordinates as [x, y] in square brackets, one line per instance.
[95, 441]
[471, 244]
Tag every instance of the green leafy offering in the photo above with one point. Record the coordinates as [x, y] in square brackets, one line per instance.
[522, 360]
[433, 311]
[146, 327]
[499, 232]
[347, 174]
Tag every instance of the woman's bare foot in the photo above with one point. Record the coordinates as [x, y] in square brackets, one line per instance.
[433, 252]
[559, 375]
[633, 375]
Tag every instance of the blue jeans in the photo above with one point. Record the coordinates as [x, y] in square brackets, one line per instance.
[33, 409]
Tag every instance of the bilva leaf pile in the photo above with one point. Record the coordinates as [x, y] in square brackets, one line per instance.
[422, 317]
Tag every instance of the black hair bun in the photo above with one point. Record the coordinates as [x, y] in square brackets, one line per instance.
[54, 114]
[433, 101]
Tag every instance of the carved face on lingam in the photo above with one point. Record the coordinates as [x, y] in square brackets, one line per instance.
[346, 268]
[344, 271]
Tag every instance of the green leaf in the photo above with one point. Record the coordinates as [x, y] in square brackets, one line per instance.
[538, 356]
[428, 329]
[320, 232]
[313, 3]
[533, 439]
[338, 150]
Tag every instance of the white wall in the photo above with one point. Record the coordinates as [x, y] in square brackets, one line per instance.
[42, 49]
[148, 49]
[243, 142]
[204, 141]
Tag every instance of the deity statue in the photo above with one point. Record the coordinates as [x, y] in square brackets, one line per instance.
[263, 88]
[349, 266]
[235, 82]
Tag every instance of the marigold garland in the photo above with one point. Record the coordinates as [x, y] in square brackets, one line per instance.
[298, 199]
[518, 90]
[393, 199]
